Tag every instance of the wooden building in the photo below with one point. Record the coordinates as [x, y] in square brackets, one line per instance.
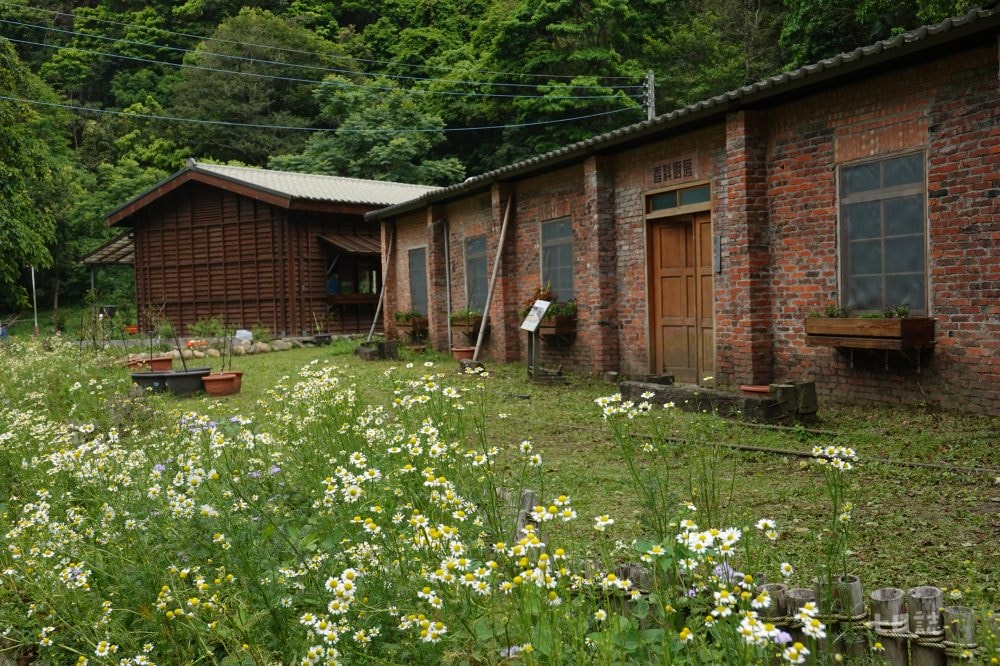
[699, 243]
[288, 251]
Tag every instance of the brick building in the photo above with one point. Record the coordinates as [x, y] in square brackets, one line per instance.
[697, 243]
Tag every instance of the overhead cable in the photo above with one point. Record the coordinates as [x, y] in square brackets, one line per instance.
[334, 70]
[287, 50]
[339, 84]
[388, 130]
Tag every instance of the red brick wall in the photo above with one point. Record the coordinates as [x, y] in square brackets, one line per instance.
[951, 109]
[773, 175]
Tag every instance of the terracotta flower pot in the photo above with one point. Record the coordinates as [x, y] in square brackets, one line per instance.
[160, 363]
[463, 353]
[220, 384]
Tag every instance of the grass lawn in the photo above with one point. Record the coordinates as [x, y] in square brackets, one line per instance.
[343, 511]
[912, 526]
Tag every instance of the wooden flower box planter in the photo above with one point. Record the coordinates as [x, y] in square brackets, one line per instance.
[418, 328]
[558, 326]
[870, 333]
[469, 326]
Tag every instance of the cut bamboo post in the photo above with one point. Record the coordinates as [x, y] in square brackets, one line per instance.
[889, 615]
[849, 603]
[529, 500]
[959, 633]
[796, 598]
[779, 605]
[925, 621]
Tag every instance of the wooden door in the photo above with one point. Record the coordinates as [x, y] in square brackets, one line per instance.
[680, 260]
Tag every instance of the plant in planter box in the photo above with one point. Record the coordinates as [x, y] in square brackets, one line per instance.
[892, 328]
[415, 321]
[468, 322]
[559, 319]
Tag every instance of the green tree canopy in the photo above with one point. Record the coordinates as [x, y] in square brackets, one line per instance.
[371, 140]
[257, 69]
[36, 172]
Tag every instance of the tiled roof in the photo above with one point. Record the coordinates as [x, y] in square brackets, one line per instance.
[118, 250]
[977, 21]
[315, 187]
[354, 243]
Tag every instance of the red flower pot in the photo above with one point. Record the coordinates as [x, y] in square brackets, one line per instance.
[463, 353]
[160, 363]
[220, 384]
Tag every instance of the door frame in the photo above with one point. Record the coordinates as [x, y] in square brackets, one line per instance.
[677, 214]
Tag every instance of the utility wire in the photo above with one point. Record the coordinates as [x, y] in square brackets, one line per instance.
[151, 116]
[414, 91]
[304, 66]
[287, 50]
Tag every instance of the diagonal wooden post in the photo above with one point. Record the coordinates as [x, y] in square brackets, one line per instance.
[493, 279]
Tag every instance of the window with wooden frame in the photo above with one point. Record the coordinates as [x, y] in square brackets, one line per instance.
[418, 279]
[557, 257]
[883, 234]
[475, 273]
[679, 200]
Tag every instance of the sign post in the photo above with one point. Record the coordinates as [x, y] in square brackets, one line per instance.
[530, 324]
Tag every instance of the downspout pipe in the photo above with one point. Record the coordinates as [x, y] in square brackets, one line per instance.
[493, 279]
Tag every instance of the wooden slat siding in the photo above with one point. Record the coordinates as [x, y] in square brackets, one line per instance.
[204, 253]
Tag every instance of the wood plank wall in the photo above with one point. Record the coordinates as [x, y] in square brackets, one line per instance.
[203, 252]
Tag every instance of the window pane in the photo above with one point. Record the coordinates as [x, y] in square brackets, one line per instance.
[865, 293]
[904, 216]
[557, 257]
[663, 200]
[694, 195]
[861, 178]
[418, 280]
[475, 273]
[866, 257]
[476, 246]
[558, 230]
[905, 290]
[863, 220]
[904, 254]
[903, 170]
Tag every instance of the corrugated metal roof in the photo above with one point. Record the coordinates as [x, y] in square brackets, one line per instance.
[353, 243]
[284, 187]
[315, 187]
[118, 250]
[900, 46]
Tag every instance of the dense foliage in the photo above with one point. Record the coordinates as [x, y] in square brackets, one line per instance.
[391, 89]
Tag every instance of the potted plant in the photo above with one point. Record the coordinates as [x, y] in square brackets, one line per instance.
[468, 322]
[222, 382]
[415, 322]
[320, 334]
[559, 321]
[893, 328]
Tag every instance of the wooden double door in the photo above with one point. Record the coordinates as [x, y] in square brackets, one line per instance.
[681, 297]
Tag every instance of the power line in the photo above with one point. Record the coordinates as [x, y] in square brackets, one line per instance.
[287, 50]
[226, 123]
[299, 65]
[414, 91]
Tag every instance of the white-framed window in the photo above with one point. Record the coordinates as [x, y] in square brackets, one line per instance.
[557, 257]
[883, 234]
